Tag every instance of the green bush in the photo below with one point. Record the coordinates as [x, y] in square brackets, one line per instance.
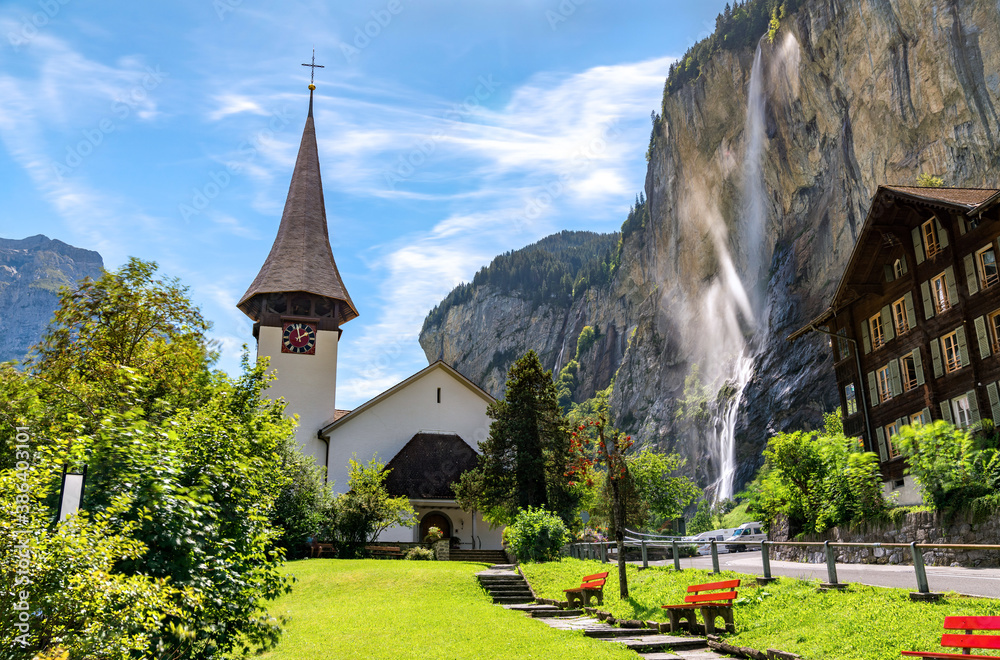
[536, 535]
[420, 554]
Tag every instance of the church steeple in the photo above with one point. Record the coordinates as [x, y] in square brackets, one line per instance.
[300, 277]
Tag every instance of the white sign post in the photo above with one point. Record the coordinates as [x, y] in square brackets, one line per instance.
[71, 494]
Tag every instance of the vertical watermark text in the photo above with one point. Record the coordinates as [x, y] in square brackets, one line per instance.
[22, 516]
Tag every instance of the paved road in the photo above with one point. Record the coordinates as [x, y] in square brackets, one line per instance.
[972, 581]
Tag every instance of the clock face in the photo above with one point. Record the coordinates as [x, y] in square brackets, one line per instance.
[298, 337]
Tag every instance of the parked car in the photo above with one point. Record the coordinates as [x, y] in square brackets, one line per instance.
[746, 533]
[719, 535]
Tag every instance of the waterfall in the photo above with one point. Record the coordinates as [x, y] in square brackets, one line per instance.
[745, 290]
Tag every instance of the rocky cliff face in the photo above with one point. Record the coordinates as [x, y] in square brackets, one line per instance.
[850, 96]
[31, 272]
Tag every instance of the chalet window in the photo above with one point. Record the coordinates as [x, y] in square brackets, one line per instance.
[952, 356]
[875, 327]
[899, 316]
[919, 418]
[852, 400]
[930, 235]
[884, 384]
[986, 264]
[908, 371]
[843, 346]
[899, 268]
[942, 301]
[994, 326]
[890, 432]
[960, 411]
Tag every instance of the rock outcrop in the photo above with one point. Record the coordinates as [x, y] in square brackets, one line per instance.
[854, 95]
[32, 271]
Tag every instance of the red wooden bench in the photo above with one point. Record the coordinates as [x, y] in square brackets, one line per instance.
[712, 605]
[317, 549]
[592, 585]
[967, 640]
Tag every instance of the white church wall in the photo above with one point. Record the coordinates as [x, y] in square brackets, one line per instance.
[387, 425]
[462, 526]
[307, 383]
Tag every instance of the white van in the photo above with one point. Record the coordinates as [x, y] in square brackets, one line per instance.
[747, 533]
[719, 535]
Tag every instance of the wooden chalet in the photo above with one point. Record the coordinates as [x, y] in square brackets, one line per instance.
[915, 322]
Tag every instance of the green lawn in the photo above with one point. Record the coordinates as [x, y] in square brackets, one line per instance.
[861, 623]
[395, 610]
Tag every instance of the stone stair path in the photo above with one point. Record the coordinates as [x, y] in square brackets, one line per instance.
[484, 556]
[646, 642]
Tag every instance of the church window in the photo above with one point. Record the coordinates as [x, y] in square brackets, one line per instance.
[952, 356]
[941, 300]
[899, 316]
[908, 371]
[986, 261]
[852, 400]
[439, 395]
[875, 325]
[931, 245]
[884, 385]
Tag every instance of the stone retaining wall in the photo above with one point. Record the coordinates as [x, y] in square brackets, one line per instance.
[922, 527]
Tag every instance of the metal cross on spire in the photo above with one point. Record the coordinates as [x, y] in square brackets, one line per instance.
[312, 71]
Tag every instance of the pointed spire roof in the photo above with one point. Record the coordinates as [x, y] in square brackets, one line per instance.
[301, 258]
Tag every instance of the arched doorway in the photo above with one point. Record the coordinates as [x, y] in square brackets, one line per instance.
[435, 519]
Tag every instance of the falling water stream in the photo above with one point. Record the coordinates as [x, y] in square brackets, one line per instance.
[746, 289]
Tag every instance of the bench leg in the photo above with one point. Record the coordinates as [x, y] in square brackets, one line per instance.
[677, 615]
[709, 614]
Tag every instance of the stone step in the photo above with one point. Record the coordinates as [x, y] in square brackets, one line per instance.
[555, 613]
[501, 600]
[663, 643]
[495, 579]
[534, 607]
[604, 631]
[497, 588]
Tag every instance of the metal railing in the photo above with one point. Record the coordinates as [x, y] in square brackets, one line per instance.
[599, 550]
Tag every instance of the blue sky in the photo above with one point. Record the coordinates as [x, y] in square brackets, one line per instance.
[449, 132]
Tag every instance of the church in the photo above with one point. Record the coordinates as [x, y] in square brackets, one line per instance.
[426, 428]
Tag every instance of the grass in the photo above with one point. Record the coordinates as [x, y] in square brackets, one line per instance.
[737, 517]
[400, 610]
[860, 623]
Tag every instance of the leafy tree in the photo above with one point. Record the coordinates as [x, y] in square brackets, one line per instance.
[817, 480]
[702, 521]
[524, 459]
[928, 180]
[943, 460]
[367, 509]
[122, 382]
[536, 535]
[305, 506]
[660, 496]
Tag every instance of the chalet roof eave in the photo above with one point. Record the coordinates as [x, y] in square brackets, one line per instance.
[822, 319]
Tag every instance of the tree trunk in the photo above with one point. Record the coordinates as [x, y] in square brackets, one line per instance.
[619, 513]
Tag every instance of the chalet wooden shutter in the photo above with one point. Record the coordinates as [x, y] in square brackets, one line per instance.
[974, 417]
[994, 396]
[864, 337]
[911, 317]
[894, 380]
[942, 234]
[963, 348]
[963, 226]
[872, 389]
[890, 274]
[949, 276]
[925, 291]
[983, 337]
[925, 416]
[918, 245]
[970, 274]
[888, 334]
[946, 411]
[936, 356]
[918, 366]
[902, 263]
[883, 454]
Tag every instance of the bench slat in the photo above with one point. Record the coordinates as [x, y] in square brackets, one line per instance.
[972, 623]
[933, 655]
[595, 576]
[726, 584]
[971, 641]
[726, 595]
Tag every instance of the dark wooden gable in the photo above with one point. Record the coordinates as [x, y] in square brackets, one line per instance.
[427, 466]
